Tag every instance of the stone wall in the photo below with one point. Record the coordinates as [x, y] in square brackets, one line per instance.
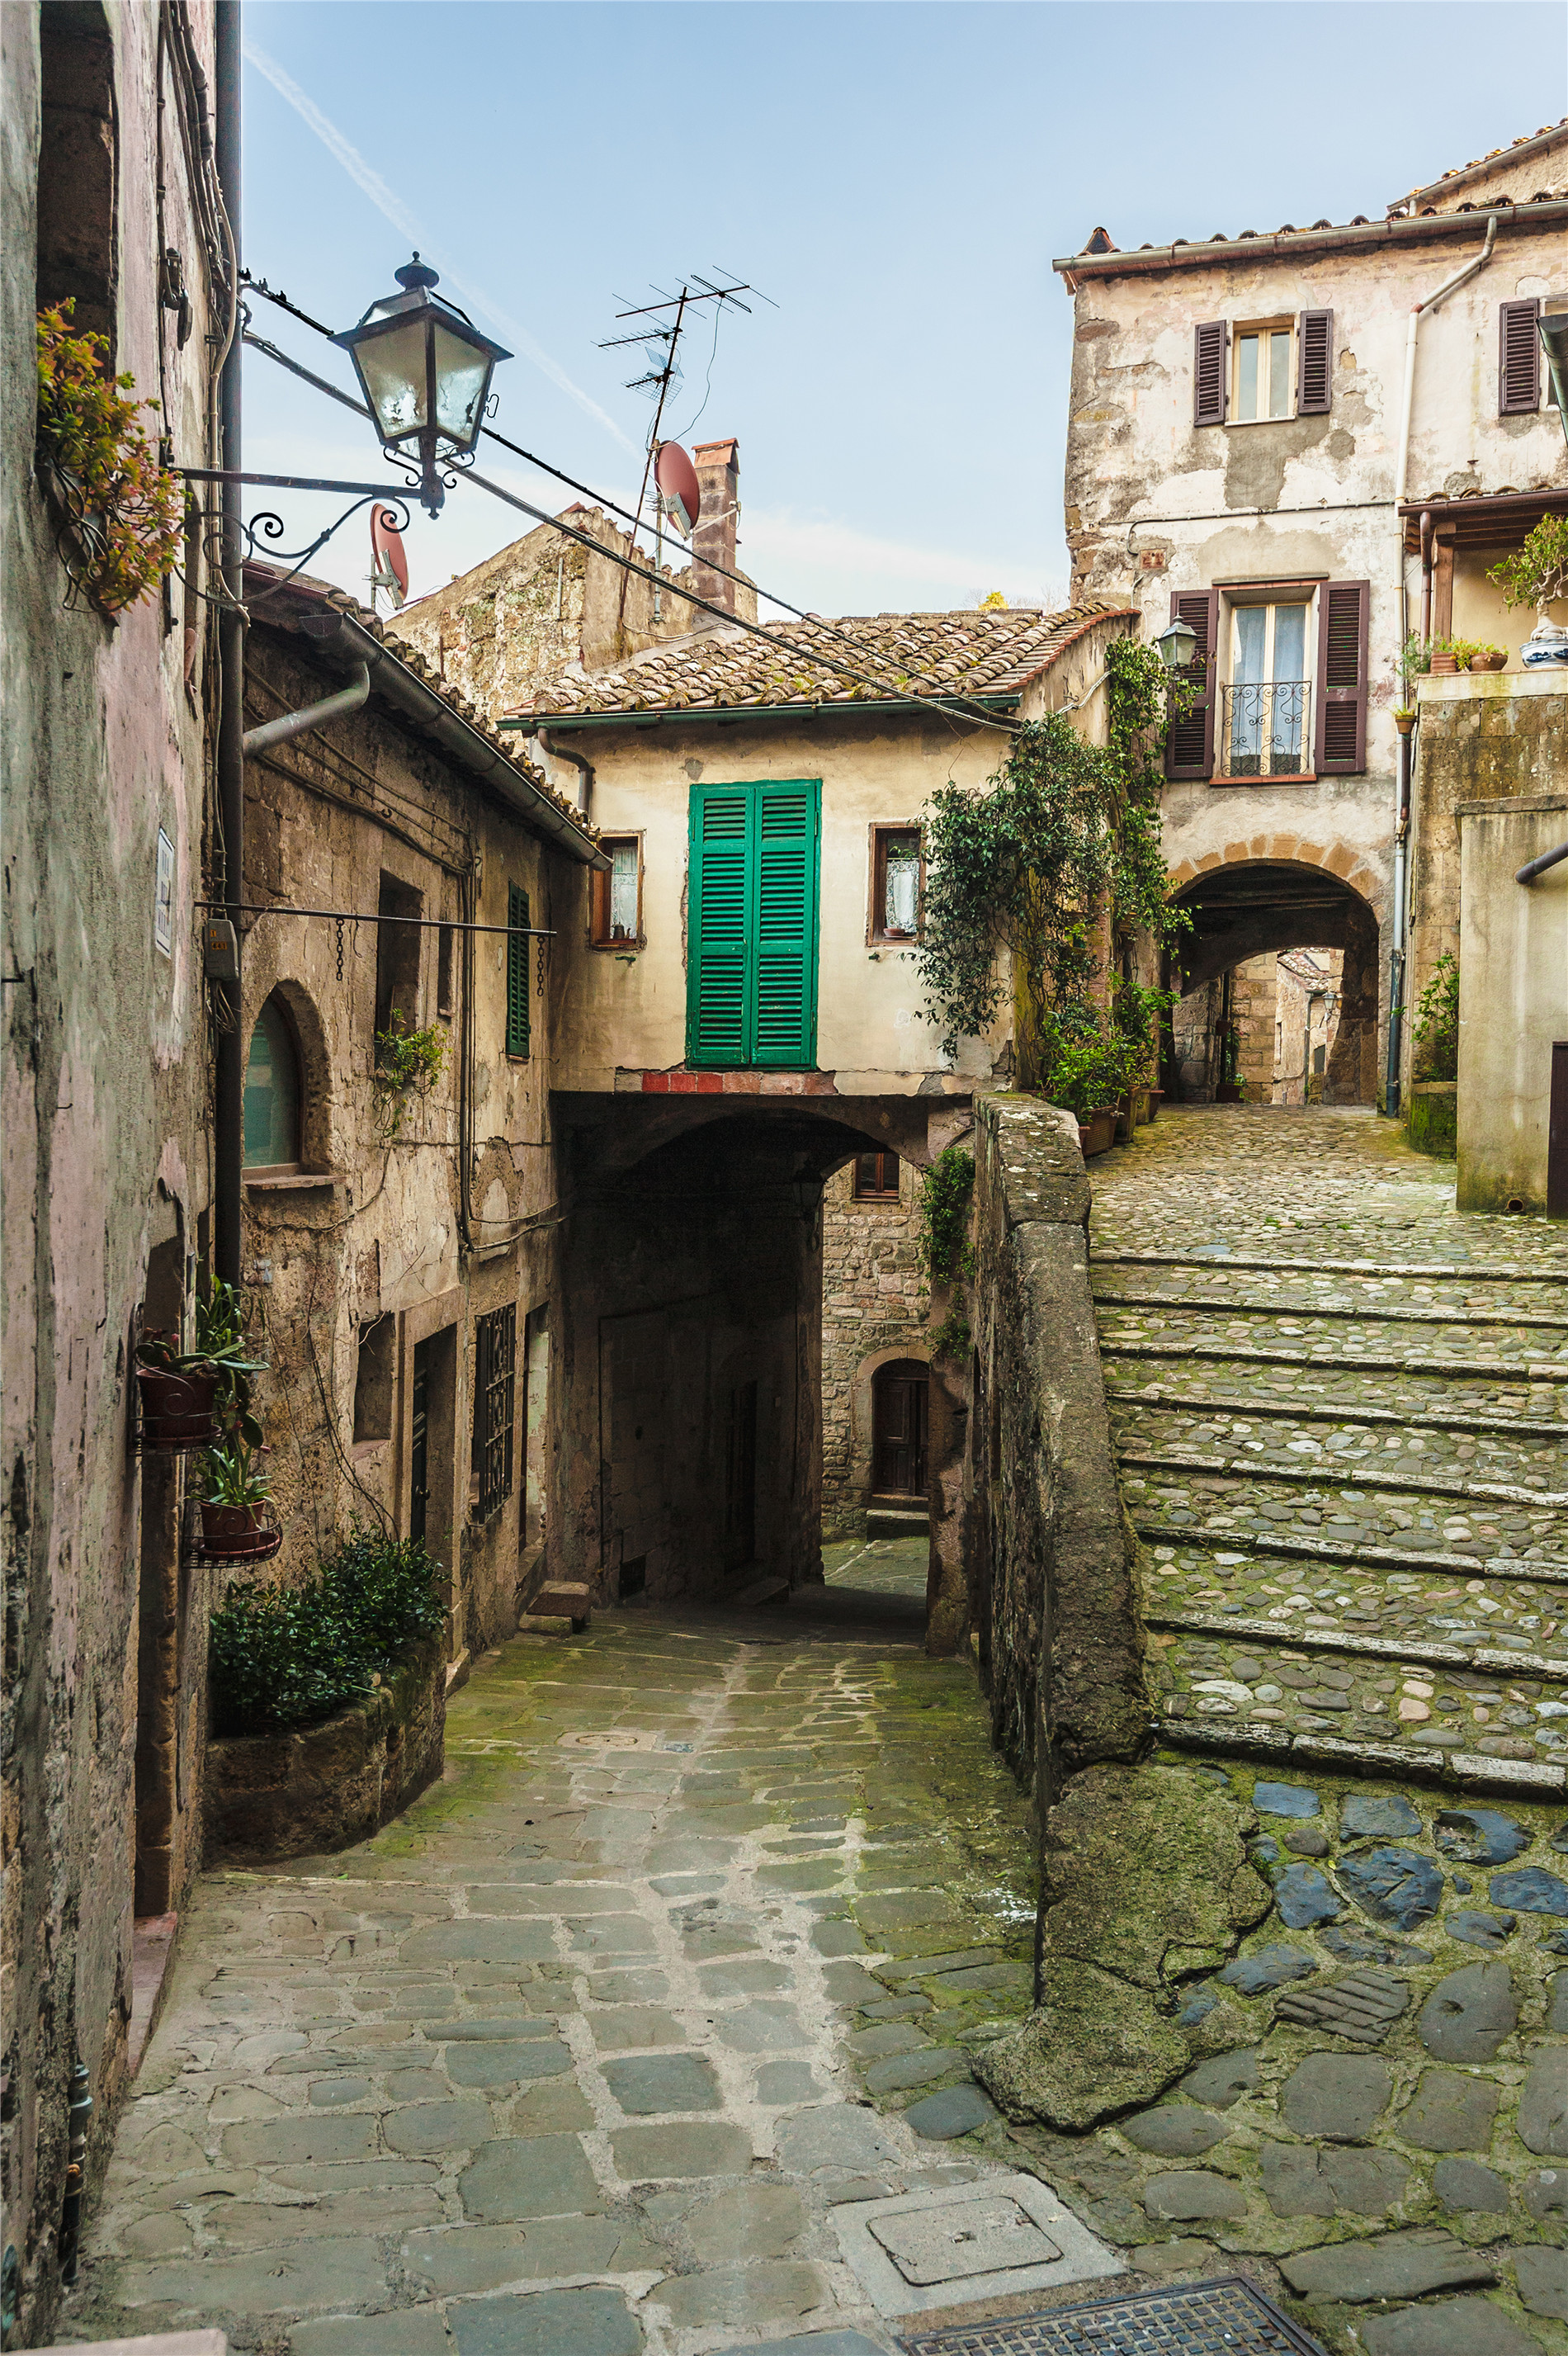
[1513, 999]
[1048, 1546]
[874, 1308]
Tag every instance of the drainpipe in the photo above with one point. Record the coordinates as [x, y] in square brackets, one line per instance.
[1402, 481]
[289, 724]
[574, 760]
[1392, 1082]
[228, 1115]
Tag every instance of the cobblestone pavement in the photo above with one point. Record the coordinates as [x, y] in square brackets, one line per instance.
[576, 2058]
[1340, 1413]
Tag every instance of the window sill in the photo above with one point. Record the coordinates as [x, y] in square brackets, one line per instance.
[361, 1449]
[268, 1182]
[1243, 424]
[1281, 778]
[620, 948]
[892, 940]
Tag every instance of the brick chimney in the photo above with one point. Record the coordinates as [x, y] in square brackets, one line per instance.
[717, 467]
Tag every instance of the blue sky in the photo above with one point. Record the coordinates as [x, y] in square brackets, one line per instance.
[897, 177]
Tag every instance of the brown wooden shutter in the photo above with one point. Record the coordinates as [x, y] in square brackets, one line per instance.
[1519, 356]
[1190, 747]
[1343, 617]
[1208, 373]
[1314, 363]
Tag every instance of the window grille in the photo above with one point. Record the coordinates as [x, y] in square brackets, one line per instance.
[495, 1399]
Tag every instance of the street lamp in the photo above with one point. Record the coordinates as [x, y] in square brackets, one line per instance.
[425, 369]
[1553, 327]
[1176, 646]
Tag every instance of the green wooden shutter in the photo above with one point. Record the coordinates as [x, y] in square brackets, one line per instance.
[751, 960]
[785, 987]
[718, 1029]
[517, 972]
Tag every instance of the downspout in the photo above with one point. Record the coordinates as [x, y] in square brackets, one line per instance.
[575, 760]
[289, 724]
[228, 1092]
[1402, 809]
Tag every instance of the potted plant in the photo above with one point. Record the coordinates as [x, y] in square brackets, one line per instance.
[1445, 659]
[1488, 657]
[1414, 661]
[236, 1524]
[186, 1395]
[1536, 575]
[1087, 1074]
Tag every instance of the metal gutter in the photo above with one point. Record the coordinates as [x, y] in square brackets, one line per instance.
[534, 723]
[1280, 246]
[335, 632]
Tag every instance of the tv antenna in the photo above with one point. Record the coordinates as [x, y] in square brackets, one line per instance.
[660, 340]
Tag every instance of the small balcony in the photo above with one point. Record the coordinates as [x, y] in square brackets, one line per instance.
[1264, 730]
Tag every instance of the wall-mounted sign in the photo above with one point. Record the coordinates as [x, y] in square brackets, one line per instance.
[164, 897]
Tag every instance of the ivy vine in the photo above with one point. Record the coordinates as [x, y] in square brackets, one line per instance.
[407, 1064]
[1055, 861]
[946, 1253]
[125, 514]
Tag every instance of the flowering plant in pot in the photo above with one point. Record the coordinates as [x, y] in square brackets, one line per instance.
[234, 1507]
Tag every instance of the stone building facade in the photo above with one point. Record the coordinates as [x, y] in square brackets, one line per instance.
[875, 1313]
[1239, 458]
[107, 198]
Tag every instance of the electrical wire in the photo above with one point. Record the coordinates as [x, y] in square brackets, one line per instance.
[952, 709]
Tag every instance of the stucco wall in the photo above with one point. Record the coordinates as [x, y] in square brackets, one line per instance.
[1513, 997]
[104, 1162]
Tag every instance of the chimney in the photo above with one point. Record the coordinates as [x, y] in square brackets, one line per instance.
[717, 467]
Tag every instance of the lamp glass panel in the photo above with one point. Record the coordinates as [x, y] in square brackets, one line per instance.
[462, 379]
[393, 368]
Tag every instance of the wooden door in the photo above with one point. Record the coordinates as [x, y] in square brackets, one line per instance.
[899, 1400]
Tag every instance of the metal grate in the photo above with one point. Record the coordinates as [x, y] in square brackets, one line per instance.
[494, 1381]
[1213, 2319]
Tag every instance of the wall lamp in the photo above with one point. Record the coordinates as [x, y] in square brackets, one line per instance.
[1176, 646]
[425, 371]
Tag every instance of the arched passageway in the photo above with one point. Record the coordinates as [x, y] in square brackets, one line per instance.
[1278, 978]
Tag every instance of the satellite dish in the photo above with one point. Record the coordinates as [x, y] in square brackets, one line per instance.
[389, 559]
[678, 495]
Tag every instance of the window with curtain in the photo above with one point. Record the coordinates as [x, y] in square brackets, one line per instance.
[1266, 732]
[272, 1092]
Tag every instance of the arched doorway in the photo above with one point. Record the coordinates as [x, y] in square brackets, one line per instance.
[900, 1424]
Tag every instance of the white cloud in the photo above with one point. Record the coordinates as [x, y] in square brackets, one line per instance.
[368, 181]
[833, 568]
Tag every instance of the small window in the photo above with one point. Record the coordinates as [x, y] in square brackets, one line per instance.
[399, 907]
[494, 1390]
[78, 153]
[373, 1381]
[517, 971]
[876, 1177]
[898, 876]
[444, 946]
[1262, 372]
[272, 1092]
[617, 897]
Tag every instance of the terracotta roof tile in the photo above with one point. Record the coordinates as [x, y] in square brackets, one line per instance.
[992, 651]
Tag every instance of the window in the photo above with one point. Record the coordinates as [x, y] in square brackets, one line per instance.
[1263, 372]
[398, 936]
[615, 912]
[373, 1381]
[1519, 356]
[494, 1383]
[77, 156]
[1263, 729]
[517, 971]
[271, 1116]
[898, 875]
[876, 1177]
[752, 967]
[1242, 375]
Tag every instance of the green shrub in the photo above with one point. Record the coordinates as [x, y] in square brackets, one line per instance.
[1436, 1032]
[289, 1656]
[944, 1198]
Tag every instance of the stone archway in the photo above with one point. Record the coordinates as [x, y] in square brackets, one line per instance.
[1279, 892]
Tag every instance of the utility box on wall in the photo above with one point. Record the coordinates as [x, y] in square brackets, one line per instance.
[1513, 997]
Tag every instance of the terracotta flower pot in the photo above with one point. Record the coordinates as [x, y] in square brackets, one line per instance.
[1228, 1092]
[237, 1533]
[1445, 666]
[1098, 1133]
[1497, 660]
[177, 1410]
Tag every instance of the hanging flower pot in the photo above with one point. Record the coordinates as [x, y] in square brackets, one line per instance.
[177, 1410]
[239, 1533]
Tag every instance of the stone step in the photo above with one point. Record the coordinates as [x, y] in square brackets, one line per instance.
[900, 1519]
[1551, 1571]
[1303, 1312]
[562, 1599]
[1496, 1271]
[1471, 1770]
[1502, 1661]
[1343, 1471]
[771, 1589]
[1294, 1410]
[1471, 1369]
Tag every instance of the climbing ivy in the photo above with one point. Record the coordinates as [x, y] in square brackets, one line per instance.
[1435, 1034]
[946, 1253]
[1065, 837]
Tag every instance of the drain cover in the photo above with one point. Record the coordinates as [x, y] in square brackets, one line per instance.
[980, 2236]
[915, 2252]
[1213, 2319]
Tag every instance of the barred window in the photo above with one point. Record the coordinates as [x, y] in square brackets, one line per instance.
[495, 1387]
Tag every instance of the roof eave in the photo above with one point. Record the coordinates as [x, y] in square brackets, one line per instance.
[529, 724]
[1522, 151]
[1422, 230]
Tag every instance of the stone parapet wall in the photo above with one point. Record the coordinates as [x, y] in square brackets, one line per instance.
[1048, 1548]
[874, 1304]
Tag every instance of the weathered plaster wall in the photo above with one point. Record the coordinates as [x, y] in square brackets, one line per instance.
[1513, 997]
[1481, 737]
[874, 1307]
[327, 816]
[104, 1162]
[1047, 1547]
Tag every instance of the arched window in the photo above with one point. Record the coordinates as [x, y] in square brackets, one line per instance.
[272, 1092]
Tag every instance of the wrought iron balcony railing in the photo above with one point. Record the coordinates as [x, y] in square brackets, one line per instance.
[1262, 731]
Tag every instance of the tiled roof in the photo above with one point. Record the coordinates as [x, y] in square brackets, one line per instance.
[988, 651]
[1494, 155]
[268, 589]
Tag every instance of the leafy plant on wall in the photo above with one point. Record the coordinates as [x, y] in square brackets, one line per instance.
[1536, 573]
[1055, 863]
[408, 1064]
[946, 1253]
[124, 519]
